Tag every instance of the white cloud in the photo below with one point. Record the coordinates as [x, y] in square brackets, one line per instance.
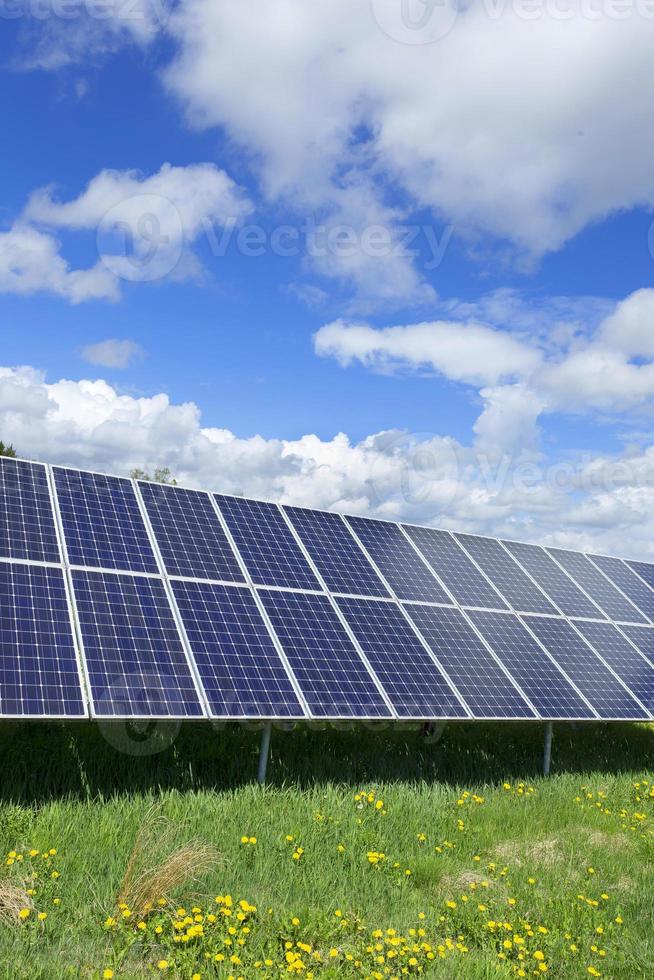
[145, 227]
[530, 146]
[468, 352]
[112, 353]
[600, 503]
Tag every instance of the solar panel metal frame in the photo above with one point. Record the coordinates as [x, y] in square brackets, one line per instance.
[72, 616]
[165, 578]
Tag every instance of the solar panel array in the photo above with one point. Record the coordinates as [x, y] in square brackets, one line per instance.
[124, 599]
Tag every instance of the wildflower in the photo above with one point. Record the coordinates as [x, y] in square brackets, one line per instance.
[163, 964]
[107, 974]
[24, 913]
[43, 916]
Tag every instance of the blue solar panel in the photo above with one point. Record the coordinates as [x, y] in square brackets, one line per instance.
[553, 580]
[329, 670]
[597, 586]
[644, 569]
[402, 568]
[241, 670]
[482, 684]
[628, 581]
[103, 527]
[643, 637]
[594, 680]
[456, 571]
[27, 526]
[271, 554]
[550, 692]
[189, 534]
[634, 670]
[39, 676]
[336, 554]
[134, 655]
[505, 574]
[413, 683]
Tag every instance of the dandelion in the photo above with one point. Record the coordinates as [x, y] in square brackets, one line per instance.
[24, 913]
[107, 974]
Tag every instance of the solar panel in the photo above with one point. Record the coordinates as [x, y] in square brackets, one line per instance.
[550, 692]
[103, 527]
[27, 526]
[505, 574]
[553, 580]
[628, 581]
[39, 674]
[594, 680]
[483, 685]
[644, 569]
[597, 586]
[134, 656]
[643, 637]
[189, 534]
[456, 571]
[412, 681]
[241, 670]
[329, 670]
[636, 672]
[266, 544]
[336, 554]
[402, 568]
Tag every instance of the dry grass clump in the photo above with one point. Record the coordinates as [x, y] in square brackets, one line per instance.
[12, 900]
[156, 867]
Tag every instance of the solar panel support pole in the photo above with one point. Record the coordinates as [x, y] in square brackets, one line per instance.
[263, 753]
[547, 755]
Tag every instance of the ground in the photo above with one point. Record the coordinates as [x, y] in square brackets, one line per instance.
[368, 854]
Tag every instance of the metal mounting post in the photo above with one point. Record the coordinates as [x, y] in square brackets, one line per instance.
[547, 755]
[263, 753]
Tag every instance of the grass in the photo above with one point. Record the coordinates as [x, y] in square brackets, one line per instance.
[537, 856]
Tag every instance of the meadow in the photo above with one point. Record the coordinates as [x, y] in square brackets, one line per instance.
[367, 854]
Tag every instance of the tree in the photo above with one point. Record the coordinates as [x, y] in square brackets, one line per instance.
[7, 450]
[161, 474]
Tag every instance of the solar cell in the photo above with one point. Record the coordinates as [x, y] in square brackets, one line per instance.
[628, 581]
[601, 591]
[634, 670]
[266, 544]
[103, 526]
[241, 670]
[39, 674]
[553, 580]
[134, 655]
[543, 682]
[402, 568]
[643, 637]
[27, 526]
[644, 569]
[483, 685]
[189, 534]
[456, 571]
[413, 683]
[505, 574]
[594, 680]
[336, 554]
[332, 676]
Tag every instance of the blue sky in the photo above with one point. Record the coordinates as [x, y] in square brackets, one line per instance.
[516, 335]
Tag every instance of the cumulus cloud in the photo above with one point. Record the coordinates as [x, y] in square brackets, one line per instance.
[113, 353]
[600, 503]
[145, 227]
[597, 366]
[337, 92]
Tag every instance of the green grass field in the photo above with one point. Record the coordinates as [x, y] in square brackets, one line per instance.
[459, 860]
